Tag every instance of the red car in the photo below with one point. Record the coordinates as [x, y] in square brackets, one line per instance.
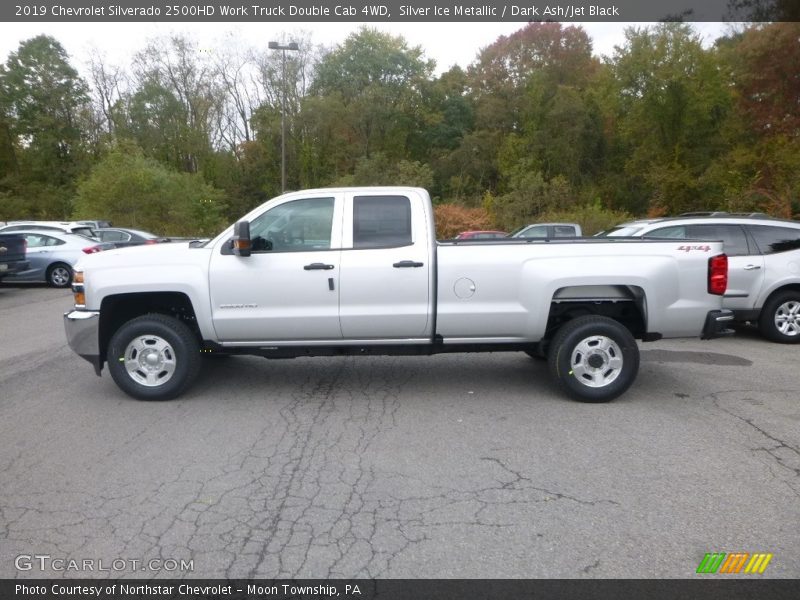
[480, 235]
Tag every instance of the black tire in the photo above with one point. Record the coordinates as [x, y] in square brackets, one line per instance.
[779, 320]
[593, 358]
[154, 357]
[59, 275]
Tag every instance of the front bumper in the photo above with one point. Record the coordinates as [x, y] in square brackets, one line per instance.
[83, 335]
[717, 322]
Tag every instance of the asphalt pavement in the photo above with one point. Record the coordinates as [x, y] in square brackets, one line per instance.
[468, 465]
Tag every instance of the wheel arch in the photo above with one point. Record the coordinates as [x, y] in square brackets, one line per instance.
[626, 304]
[794, 287]
[115, 310]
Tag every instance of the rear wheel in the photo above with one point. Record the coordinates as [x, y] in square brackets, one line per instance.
[154, 357]
[780, 318]
[59, 275]
[593, 358]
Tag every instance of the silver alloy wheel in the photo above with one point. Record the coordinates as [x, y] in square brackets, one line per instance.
[596, 361]
[787, 318]
[59, 276]
[150, 360]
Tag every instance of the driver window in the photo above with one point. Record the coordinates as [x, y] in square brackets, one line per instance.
[540, 231]
[297, 226]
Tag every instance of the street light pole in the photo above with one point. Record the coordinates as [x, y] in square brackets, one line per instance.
[283, 49]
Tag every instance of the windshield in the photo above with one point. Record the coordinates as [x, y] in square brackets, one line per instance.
[84, 231]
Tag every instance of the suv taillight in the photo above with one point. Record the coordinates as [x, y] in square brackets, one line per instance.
[718, 274]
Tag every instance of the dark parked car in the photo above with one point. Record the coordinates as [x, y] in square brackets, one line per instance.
[12, 254]
[127, 237]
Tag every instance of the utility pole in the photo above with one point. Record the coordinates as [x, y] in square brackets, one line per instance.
[283, 49]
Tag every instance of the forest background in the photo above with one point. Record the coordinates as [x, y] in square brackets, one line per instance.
[182, 142]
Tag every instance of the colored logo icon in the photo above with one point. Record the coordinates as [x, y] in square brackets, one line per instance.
[737, 562]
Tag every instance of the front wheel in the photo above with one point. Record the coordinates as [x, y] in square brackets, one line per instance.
[59, 275]
[154, 357]
[593, 358]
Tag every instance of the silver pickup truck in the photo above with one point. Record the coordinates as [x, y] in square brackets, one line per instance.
[359, 271]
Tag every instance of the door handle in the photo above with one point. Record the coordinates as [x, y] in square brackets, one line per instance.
[406, 264]
[752, 267]
[318, 267]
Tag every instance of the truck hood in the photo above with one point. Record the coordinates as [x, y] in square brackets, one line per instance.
[174, 253]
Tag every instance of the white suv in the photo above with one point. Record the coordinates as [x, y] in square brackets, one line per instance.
[63, 226]
[763, 264]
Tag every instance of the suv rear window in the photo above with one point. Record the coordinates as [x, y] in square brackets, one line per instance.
[771, 240]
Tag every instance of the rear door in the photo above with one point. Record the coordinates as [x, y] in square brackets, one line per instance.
[385, 290]
[780, 247]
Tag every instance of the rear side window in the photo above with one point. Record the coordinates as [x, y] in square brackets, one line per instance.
[114, 236]
[771, 240]
[38, 241]
[563, 231]
[732, 235]
[381, 221]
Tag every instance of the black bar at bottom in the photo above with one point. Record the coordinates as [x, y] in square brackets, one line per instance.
[707, 587]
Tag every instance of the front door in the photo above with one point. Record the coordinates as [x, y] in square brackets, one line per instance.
[287, 289]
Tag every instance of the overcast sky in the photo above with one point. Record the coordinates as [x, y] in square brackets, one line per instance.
[446, 43]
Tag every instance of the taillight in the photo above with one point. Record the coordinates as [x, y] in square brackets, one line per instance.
[92, 249]
[718, 274]
[151, 241]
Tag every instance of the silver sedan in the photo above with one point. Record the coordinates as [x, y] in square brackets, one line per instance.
[52, 254]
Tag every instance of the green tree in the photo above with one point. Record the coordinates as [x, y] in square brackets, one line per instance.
[175, 103]
[378, 169]
[670, 101]
[136, 191]
[43, 110]
[377, 78]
